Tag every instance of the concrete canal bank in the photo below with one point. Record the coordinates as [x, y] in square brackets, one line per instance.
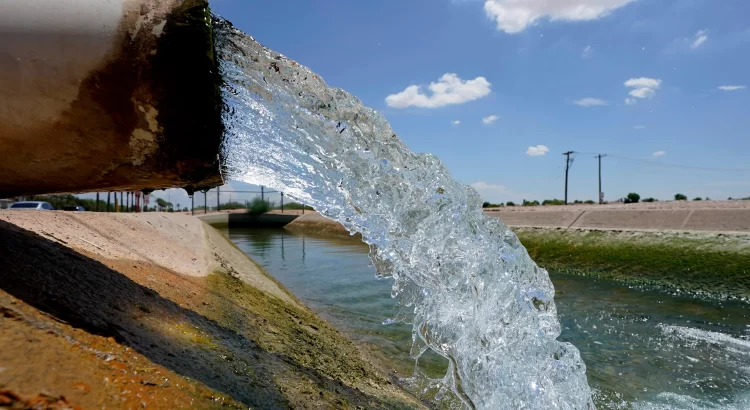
[161, 311]
[711, 260]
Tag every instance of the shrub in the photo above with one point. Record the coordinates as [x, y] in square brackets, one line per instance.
[632, 198]
[259, 206]
[553, 202]
[589, 202]
[530, 203]
[485, 205]
[697, 199]
[680, 197]
[297, 205]
[650, 200]
[510, 203]
[233, 205]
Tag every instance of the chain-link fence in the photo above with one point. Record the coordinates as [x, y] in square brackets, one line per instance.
[257, 201]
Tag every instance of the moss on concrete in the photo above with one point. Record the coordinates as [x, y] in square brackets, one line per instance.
[712, 265]
[321, 367]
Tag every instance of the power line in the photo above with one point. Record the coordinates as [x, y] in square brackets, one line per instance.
[663, 164]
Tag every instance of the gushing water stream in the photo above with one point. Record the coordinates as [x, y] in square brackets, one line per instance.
[463, 280]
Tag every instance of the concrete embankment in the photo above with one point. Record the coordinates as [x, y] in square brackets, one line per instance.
[161, 311]
[245, 220]
[315, 224]
[713, 216]
[637, 246]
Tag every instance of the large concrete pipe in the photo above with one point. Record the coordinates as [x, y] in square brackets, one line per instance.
[107, 95]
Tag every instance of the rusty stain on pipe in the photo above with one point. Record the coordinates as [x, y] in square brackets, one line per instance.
[107, 95]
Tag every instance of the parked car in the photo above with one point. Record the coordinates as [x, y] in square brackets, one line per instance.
[32, 205]
[74, 208]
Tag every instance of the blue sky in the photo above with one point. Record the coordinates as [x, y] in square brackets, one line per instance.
[517, 83]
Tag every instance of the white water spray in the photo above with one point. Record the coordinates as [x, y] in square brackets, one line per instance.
[464, 281]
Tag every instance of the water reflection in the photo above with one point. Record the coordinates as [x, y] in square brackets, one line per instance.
[639, 346]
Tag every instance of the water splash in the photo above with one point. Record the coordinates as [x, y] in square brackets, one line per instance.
[464, 281]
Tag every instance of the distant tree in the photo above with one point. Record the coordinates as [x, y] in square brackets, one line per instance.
[184, 209]
[259, 206]
[510, 203]
[578, 201]
[530, 203]
[553, 202]
[708, 199]
[161, 203]
[588, 201]
[697, 199]
[650, 200]
[680, 197]
[485, 205]
[632, 198]
[237, 205]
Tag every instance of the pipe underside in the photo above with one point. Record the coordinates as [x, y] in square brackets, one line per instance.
[107, 95]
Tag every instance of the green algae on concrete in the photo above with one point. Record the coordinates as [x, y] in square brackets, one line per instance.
[709, 265]
[294, 347]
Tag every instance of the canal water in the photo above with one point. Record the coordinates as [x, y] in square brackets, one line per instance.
[643, 349]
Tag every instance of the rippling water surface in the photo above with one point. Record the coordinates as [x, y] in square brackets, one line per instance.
[643, 350]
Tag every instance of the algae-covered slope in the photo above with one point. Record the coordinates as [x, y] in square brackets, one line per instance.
[97, 311]
[706, 264]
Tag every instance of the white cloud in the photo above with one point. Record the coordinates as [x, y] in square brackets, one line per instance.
[639, 127]
[490, 119]
[450, 89]
[587, 51]
[456, 122]
[641, 88]
[700, 38]
[659, 154]
[643, 92]
[643, 82]
[731, 87]
[514, 16]
[589, 102]
[537, 151]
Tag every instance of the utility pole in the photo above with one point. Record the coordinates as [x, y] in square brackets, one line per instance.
[218, 200]
[567, 167]
[601, 197]
[97, 202]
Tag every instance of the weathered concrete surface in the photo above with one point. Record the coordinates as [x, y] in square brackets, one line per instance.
[713, 216]
[115, 95]
[162, 311]
[245, 220]
[315, 224]
[710, 216]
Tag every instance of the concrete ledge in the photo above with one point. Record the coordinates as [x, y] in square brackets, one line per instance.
[703, 220]
[241, 220]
